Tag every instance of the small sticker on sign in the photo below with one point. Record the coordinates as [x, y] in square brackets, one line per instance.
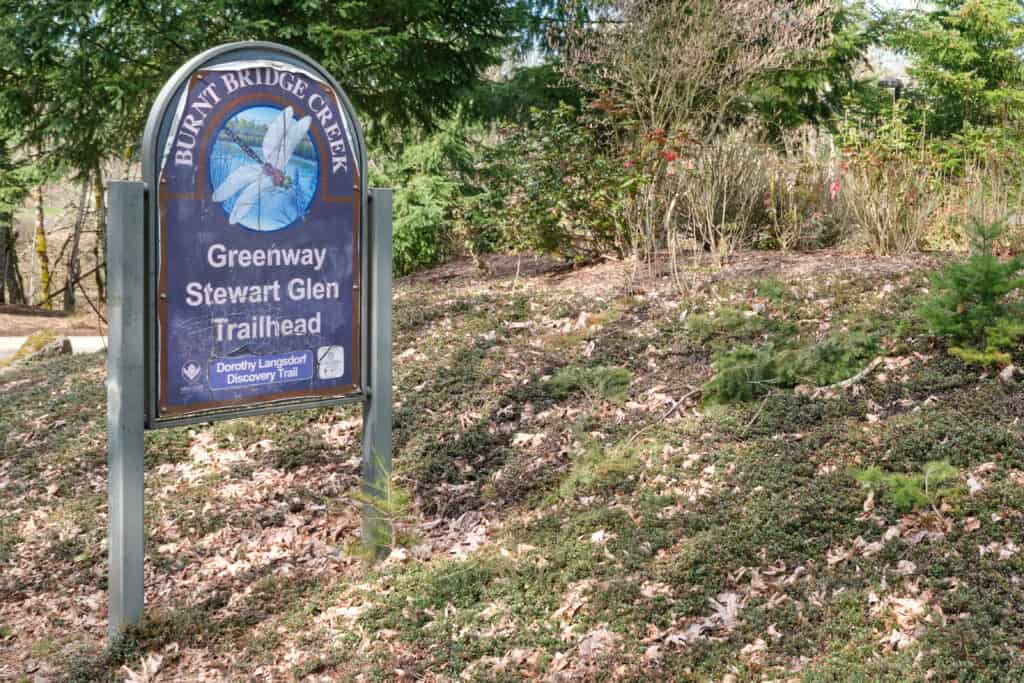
[331, 361]
[192, 371]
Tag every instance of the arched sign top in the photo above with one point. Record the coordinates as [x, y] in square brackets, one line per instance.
[256, 167]
[243, 53]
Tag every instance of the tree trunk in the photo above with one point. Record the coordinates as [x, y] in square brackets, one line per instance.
[99, 247]
[11, 289]
[41, 250]
[74, 266]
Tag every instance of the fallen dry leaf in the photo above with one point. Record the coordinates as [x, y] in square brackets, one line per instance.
[905, 568]
[148, 672]
[597, 641]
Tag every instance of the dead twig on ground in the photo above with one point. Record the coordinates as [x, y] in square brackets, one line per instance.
[756, 415]
[851, 380]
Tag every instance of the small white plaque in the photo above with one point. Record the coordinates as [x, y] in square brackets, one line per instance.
[330, 362]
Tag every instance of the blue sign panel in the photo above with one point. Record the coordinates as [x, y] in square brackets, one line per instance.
[259, 197]
[248, 371]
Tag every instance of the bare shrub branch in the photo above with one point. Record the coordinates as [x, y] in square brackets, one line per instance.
[683, 64]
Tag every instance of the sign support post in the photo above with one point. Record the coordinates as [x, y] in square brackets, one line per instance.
[377, 407]
[125, 401]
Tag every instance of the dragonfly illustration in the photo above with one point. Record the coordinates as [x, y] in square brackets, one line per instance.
[259, 182]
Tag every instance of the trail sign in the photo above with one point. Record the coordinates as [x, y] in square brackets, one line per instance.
[258, 169]
[249, 273]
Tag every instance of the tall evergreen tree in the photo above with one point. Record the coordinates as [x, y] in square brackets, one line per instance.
[966, 59]
[78, 76]
[812, 88]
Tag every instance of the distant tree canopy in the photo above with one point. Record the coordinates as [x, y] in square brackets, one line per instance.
[966, 58]
[78, 76]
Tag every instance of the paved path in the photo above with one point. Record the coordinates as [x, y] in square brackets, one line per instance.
[9, 345]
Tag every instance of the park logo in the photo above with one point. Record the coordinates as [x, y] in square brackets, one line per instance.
[192, 372]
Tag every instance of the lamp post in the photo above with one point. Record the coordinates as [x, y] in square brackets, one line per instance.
[895, 84]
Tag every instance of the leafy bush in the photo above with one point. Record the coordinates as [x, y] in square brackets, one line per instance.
[771, 288]
[963, 57]
[838, 357]
[601, 382]
[386, 505]
[730, 324]
[747, 372]
[736, 192]
[691, 63]
[971, 301]
[911, 491]
[598, 470]
[564, 183]
[722, 193]
[430, 178]
[804, 210]
[991, 357]
[420, 216]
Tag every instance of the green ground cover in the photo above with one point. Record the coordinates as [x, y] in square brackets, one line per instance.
[582, 508]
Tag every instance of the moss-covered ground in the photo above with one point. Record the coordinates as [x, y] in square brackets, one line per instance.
[579, 512]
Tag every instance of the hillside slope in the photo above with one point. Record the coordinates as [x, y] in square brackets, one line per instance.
[583, 508]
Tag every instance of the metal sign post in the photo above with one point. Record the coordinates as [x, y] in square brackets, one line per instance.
[377, 408]
[125, 400]
[250, 273]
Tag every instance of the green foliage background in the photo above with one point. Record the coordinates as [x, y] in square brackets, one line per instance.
[491, 144]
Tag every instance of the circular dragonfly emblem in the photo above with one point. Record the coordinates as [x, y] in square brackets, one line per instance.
[264, 168]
